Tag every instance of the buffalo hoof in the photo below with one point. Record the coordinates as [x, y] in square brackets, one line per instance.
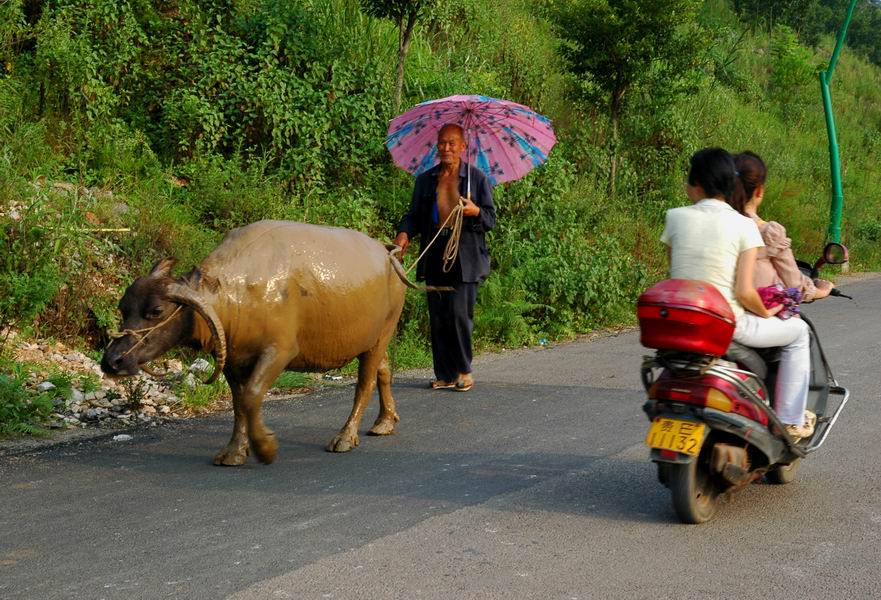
[231, 456]
[265, 449]
[382, 427]
[343, 442]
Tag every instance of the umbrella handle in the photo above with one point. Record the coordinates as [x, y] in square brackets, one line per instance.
[467, 164]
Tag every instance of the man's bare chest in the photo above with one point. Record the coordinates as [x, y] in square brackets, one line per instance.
[447, 195]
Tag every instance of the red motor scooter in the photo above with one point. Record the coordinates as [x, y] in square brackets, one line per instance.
[713, 429]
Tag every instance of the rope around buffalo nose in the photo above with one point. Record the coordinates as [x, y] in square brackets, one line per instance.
[452, 249]
[137, 332]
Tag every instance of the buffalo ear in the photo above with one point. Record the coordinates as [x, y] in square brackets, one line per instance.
[163, 267]
[196, 280]
[193, 278]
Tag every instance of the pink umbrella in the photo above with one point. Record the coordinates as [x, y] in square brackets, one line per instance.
[505, 140]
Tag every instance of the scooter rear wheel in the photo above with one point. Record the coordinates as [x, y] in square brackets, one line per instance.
[695, 495]
[783, 475]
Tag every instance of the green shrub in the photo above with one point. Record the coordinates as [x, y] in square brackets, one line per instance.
[869, 230]
[201, 397]
[292, 380]
[794, 74]
[191, 118]
[410, 348]
[29, 272]
[21, 411]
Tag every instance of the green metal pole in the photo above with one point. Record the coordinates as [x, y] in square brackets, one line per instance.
[840, 41]
[834, 232]
[836, 210]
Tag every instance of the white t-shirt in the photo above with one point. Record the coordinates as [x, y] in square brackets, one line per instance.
[706, 240]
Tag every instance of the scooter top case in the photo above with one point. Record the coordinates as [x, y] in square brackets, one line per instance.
[685, 315]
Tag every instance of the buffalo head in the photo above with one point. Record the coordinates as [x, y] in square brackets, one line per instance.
[157, 315]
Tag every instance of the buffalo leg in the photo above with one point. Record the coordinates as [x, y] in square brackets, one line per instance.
[385, 422]
[260, 437]
[368, 364]
[236, 451]
[247, 396]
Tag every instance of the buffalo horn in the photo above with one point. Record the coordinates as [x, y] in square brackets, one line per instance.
[186, 295]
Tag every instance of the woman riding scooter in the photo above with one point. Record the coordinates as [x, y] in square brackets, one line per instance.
[710, 241]
[713, 430]
[775, 263]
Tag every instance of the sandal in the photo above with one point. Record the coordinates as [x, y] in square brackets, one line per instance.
[810, 420]
[437, 384]
[798, 432]
[463, 385]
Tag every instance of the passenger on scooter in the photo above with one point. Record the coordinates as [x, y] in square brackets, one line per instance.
[711, 241]
[775, 262]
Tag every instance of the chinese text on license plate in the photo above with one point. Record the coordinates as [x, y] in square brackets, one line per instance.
[673, 434]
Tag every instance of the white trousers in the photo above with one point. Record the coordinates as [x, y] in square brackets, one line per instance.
[793, 376]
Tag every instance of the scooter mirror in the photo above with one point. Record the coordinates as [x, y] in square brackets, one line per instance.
[834, 254]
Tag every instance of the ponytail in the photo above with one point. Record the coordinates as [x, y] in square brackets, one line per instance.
[751, 173]
[739, 197]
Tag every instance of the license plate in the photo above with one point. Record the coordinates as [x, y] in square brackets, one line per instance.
[672, 434]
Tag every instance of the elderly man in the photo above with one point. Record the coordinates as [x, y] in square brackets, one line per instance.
[435, 195]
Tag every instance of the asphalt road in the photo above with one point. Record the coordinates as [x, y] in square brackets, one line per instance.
[533, 485]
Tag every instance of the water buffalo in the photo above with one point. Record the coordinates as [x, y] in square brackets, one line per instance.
[274, 295]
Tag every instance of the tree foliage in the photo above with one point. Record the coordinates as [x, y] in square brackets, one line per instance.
[812, 19]
[619, 47]
[404, 13]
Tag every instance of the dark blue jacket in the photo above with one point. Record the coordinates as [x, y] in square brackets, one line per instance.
[473, 253]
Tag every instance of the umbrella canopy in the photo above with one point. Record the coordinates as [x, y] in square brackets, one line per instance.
[504, 139]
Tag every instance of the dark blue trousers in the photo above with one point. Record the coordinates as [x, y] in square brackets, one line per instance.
[452, 322]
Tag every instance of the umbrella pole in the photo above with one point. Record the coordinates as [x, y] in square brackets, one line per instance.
[467, 164]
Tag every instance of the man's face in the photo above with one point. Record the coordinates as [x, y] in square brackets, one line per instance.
[450, 145]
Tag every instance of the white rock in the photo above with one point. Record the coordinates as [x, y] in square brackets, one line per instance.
[45, 386]
[122, 437]
[200, 365]
[164, 410]
[77, 396]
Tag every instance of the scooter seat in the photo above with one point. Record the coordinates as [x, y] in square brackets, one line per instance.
[754, 360]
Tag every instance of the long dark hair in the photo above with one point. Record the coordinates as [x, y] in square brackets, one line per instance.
[751, 173]
[713, 169]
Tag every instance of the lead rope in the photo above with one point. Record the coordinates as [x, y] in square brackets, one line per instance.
[451, 252]
[137, 332]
